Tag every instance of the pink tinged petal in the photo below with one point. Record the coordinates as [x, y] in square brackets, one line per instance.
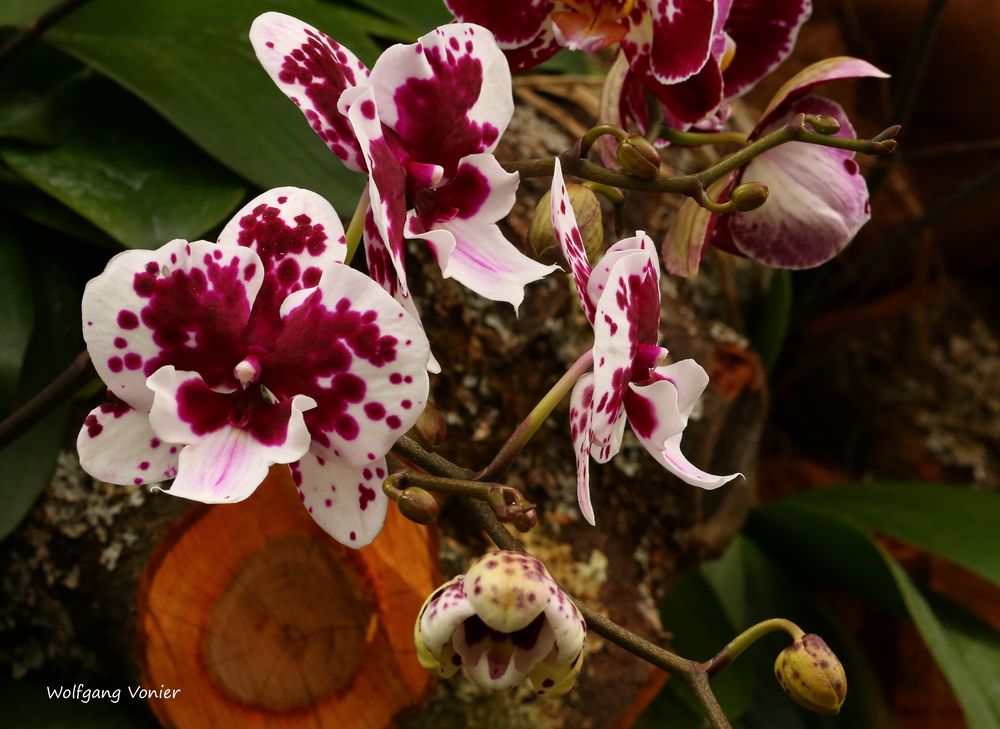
[297, 235]
[447, 96]
[658, 413]
[831, 69]
[442, 615]
[185, 304]
[231, 438]
[369, 376]
[567, 232]
[612, 109]
[382, 270]
[691, 230]
[345, 500]
[817, 203]
[644, 300]
[584, 32]
[514, 23]
[487, 657]
[682, 37]
[387, 180]
[764, 32]
[580, 403]
[117, 445]
[313, 70]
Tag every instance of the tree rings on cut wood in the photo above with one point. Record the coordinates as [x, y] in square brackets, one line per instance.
[261, 619]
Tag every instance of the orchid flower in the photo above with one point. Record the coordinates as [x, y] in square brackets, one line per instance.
[750, 38]
[817, 202]
[224, 358]
[505, 620]
[423, 123]
[631, 379]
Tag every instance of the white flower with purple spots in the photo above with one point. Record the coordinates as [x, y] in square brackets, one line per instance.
[631, 380]
[817, 202]
[224, 358]
[423, 123]
[505, 620]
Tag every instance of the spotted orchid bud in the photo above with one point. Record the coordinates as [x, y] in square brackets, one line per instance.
[587, 209]
[749, 196]
[418, 505]
[811, 675]
[638, 157]
[505, 620]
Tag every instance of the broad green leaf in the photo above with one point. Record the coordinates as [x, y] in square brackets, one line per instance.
[126, 171]
[25, 116]
[967, 651]
[27, 463]
[26, 705]
[192, 61]
[17, 311]
[419, 15]
[952, 521]
[771, 323]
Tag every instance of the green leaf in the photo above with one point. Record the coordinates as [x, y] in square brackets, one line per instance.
[26, 705]
[25, 116]
[954, 522]
[771, 324]
[126, 171]
[419, 15]
[27, 463]
[31, 203]
[16, 312]
[967, 651]
[192, 61]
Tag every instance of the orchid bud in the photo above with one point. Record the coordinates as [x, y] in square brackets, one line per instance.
[638, 157]
[749, 196]
[586, 208]
[430, 430]
[811, 675]
[418, 505]
[505, 620]
[823, 123]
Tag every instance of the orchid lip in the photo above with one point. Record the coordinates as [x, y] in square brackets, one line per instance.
[247, 371]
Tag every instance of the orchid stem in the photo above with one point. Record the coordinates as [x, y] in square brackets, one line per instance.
[37, 27]
[524, 432]
[695, 185]
[687, 670]
[694, 139]
[746, 639]
[595, 133]
[356, 226]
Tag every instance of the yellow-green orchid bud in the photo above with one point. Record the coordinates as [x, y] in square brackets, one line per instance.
[811, 675]
[638, 157]
[418, 505]
[587, 209]
[749, 196]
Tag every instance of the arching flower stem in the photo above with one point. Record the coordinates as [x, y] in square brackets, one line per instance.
[357, 225]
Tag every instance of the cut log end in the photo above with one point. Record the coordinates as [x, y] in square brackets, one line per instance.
[258, 617]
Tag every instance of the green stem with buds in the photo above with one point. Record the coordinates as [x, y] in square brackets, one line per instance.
[506, 501]
[357, 226]
[746, 639]
[530, 425]
[594, 133]
[696, 139]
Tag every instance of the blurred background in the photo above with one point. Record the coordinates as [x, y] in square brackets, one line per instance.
[862, 400]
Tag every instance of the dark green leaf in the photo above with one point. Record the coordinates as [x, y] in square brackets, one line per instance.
[125, 170]
[771, 323]
[25, 116]
[35, 205]
[967, 651]
[954, 522]
[27, 463]
[192, 61]
[419, 15]
[16, 312]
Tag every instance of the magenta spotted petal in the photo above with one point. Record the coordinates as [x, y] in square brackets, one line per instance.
[681, 37]
[117, 445]
[764, 33]
[369, 376]
[515, 23]
[230, 439]
[581, 404]
[347, 501]
[446, 96]
[658, 412]
[567, 232]
[138, 315]
[624, 321]
[313, 70]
